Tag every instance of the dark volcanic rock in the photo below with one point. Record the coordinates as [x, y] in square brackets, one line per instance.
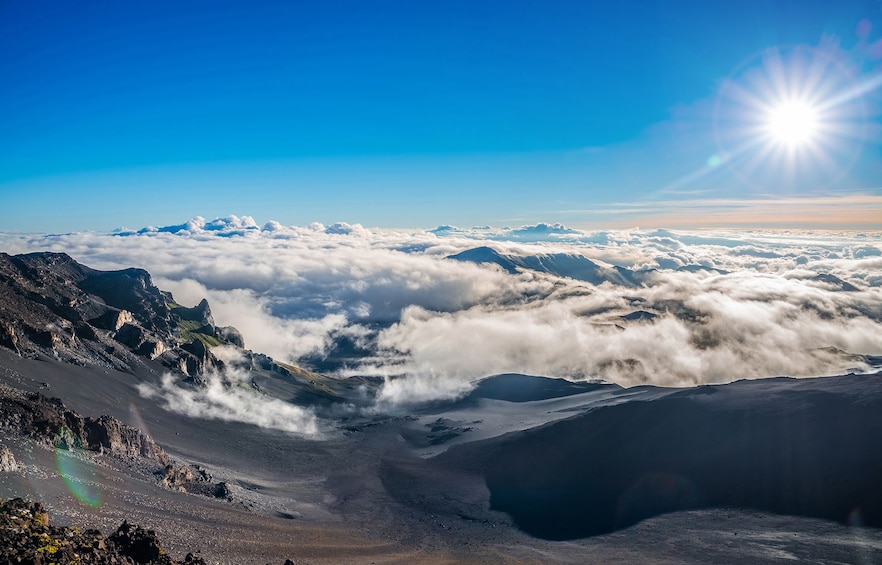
[197, 348]
[52, 306]
[201, 314]
[138, 543]
[231, 334]
[113, 319]
[107, 434]
[28, 537]
[131, 335]
[193, 479]
[8, 336]
[132, 290]
[50, 423]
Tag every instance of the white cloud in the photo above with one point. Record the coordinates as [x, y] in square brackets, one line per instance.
[226, 397]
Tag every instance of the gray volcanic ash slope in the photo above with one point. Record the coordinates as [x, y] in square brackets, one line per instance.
[648, 474]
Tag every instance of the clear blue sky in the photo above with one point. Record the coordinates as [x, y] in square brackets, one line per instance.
[401, 114]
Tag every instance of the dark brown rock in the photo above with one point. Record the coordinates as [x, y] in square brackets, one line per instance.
[28, 537]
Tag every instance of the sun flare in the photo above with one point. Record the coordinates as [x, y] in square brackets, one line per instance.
[793, 123]
[791, 118]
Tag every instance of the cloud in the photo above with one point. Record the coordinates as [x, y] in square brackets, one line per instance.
[227, 397]
[727, 304]
[342, 228]
[717, 330]
[541, 231]
[229, 226]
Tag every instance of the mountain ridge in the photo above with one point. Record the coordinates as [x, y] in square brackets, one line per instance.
[53, 307]
[570, 265]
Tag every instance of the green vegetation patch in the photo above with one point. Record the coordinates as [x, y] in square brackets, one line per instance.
[209, 340]
[188, 331]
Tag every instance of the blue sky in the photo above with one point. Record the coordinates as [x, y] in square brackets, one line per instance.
[410, 114]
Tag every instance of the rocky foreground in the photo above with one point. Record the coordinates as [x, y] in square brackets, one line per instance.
[28, 537]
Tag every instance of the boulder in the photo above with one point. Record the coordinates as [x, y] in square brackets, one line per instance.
[8, 463]
[151, 348]
[232, 335]
[8, 336]
[130, 334]
[113, 319]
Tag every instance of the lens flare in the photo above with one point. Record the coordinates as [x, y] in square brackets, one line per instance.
[76, 470]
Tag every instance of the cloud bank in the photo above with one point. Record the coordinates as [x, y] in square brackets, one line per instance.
[710, 306]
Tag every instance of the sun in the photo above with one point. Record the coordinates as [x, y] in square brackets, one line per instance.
[793, 123]
[792, 119]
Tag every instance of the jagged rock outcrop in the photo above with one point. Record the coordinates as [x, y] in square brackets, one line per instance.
[8, 336]
[194, 479]
[201, 314]
[106, 434]
[132, 290]
[139, 340]
[259, 361]
[113, 319]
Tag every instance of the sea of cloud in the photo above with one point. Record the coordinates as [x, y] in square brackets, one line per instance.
[727, 305]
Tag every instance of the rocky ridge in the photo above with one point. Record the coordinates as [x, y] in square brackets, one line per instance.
[52, 306]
